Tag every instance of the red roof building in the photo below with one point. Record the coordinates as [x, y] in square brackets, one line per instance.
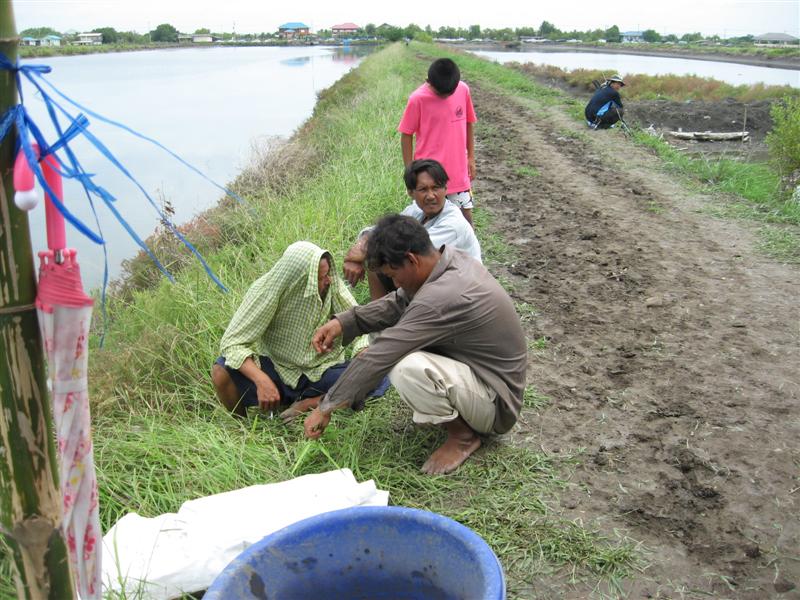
[345, 29]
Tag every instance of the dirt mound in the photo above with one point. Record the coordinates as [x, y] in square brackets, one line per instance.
[727, 115]
[671, 355]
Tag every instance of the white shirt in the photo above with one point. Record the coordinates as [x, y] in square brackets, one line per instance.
[448, 228]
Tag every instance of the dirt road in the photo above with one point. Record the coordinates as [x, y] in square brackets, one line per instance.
[670, 354]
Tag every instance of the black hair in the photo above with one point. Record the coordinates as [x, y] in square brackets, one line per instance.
[393, 237]
[426, 165]
[443, 75]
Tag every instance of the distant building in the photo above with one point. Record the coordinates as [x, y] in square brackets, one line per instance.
[28, 41]
[196, 38]
[289, 31]
[50, 40]
[632, 37]
[89, 39]
[345, 29]
[775, 39]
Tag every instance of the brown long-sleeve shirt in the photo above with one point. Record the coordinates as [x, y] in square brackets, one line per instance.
[460, 312]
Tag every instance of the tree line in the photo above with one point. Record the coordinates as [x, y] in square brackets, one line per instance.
[165, 32]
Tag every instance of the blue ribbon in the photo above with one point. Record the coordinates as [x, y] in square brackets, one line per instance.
[72, 169]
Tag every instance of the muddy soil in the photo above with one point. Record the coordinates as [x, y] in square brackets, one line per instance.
[725, 116]
[671, 359]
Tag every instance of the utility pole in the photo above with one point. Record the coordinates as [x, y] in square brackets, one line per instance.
[30, 500]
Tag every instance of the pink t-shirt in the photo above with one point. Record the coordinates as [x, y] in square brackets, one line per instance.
[440, 127]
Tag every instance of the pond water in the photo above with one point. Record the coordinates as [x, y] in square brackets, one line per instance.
[208, 105]
[624, 64]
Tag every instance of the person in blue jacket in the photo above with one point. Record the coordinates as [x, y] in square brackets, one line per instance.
[605, 107]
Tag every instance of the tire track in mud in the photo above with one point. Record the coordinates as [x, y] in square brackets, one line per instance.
[671, 358]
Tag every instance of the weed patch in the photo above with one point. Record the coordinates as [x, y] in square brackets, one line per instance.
[526, 171]
[780, 243]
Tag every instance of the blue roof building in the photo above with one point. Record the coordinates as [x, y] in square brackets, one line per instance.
[293, 29]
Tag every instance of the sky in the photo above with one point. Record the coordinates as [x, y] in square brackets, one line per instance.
[726, 18]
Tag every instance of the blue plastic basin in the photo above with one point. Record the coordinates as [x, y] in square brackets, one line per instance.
[365, 553]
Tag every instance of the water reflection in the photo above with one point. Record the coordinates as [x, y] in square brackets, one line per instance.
[296, 62]
[349, 52]
[212, 106]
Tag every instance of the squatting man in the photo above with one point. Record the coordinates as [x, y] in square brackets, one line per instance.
[450, 341]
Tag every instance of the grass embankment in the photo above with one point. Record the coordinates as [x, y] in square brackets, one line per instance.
[72, 50]
[741, 50]
[161, 439]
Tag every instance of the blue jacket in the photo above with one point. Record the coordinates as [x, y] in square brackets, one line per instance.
[600, 99]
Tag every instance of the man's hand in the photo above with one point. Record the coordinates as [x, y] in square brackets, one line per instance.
[324, 336]
[269, 398]
[315, 424]
[353, 272]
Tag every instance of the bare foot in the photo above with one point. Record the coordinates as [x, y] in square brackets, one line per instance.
[299, 407]
[461, 442]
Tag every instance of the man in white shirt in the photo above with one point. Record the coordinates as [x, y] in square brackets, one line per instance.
[426, 183]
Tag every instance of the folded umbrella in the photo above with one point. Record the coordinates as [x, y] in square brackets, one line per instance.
[65, 314]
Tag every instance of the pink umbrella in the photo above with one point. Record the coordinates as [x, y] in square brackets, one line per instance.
[65, 313]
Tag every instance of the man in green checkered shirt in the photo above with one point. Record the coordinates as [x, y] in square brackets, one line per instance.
[267, 358]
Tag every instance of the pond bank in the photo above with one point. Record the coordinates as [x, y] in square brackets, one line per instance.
[779, 62]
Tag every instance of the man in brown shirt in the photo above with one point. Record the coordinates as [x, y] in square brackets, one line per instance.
[452, 343]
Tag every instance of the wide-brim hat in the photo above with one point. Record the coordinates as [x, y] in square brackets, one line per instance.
[615, 79]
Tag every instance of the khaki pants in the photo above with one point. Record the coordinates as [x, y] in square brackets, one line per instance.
[439, 390]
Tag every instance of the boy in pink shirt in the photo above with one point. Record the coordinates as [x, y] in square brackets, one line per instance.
[441, 116]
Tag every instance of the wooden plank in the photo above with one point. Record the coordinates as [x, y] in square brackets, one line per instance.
[710, 136]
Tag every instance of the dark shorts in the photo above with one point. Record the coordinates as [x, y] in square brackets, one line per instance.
[303, 389]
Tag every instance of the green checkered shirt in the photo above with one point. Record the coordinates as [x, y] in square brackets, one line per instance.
[281, 311]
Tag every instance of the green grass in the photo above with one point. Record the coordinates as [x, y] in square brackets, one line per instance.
[527, 171]
[756, 182]
[533, 399]
[751, 191]
[527, 312]
[537, 345]
[160, 438]
[780, 243]
[504, 492]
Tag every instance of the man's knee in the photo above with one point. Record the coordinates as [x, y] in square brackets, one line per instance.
[225, 388]
[220, 377]
[409, 371]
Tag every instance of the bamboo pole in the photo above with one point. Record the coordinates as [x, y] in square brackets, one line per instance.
[30, 501]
